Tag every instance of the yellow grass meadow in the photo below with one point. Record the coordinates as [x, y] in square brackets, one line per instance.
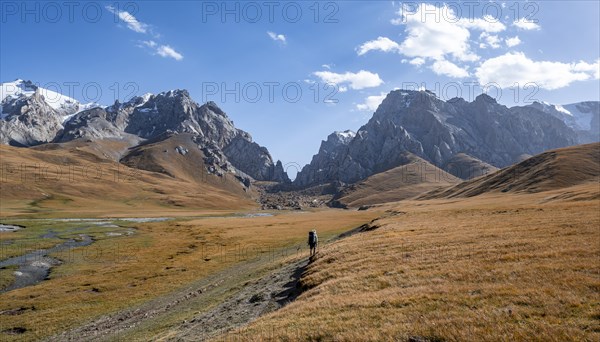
[114, 274]
[492, 268]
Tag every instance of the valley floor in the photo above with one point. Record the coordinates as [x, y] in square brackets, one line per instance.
[147, 283]
[497, 267]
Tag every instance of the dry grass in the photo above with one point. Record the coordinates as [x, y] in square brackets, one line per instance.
[465, 166]
[114, 274]
[415, 178]
[71, 181]
[492, 268]
[551, 170]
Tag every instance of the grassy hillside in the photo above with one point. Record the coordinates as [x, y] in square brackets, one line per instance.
[550, 170]
[465, 166]
[70, 179]
[161, 156]
[415, 178]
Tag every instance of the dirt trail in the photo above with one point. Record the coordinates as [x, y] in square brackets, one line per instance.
[206, 308]
[265, 295]
[246, 297]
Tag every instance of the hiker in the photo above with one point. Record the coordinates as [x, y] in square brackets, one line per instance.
[313, 241]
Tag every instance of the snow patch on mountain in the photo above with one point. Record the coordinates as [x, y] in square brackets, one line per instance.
[578, 116]
[144, 98]
[346, 135]
[583, 115]
[65, 106]
[15, 89]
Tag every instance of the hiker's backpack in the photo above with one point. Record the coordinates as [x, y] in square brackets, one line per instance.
[312, 237]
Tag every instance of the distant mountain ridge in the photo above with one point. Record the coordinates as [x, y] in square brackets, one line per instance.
[454, 135]
[418, 122]
[582, 117]
[29, 119]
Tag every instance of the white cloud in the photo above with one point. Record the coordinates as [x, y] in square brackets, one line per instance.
[486, 24]
[277, 37]
[449, 69]
[526, 24]
[586, 67]
[511, 68]
[161, 50]
[131, 21]
[490, 40]
[149, 43]
[435, 32]
[343, 89]
[382, 43]
[371, 103]
[167, 51]
[430, 34]
[514, 41]
[360, 80]
[417, 61]
[326, 66]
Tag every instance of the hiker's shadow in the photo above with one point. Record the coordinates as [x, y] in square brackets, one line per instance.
[291, 289]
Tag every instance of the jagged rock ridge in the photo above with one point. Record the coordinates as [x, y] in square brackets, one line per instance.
[435, 130]
[28, 119]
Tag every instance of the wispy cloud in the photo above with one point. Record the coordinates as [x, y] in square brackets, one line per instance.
[130, 20]
[149, 43]
[277, 37]
[417, 61]
[167, 51]
[163, 50]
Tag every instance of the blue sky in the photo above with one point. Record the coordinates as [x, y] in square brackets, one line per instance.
[354, 52]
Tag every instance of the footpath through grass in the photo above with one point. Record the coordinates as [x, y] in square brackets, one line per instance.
[501, 268]
[160, 258]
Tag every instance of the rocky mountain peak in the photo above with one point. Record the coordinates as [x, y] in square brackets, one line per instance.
[399, 101]
[336, 142]
[582, 117]
[33, 115]
[485, 99]
[435, 130]
[215, 108]
[343, 137]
